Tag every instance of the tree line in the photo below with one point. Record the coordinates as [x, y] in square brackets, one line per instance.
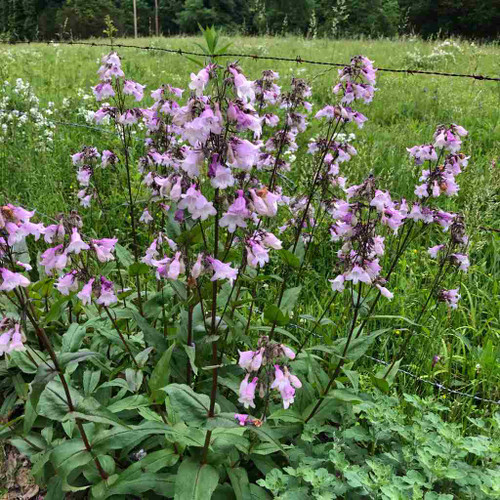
[52, 19]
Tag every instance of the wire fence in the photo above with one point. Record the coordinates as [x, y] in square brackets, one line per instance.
[297, 59]
[437, 385]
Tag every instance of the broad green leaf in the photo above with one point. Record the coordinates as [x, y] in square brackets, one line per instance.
[142, 476]
[117, 438]
[161, 375]
[239, 481]
[358, 347]
[195, 481]
[273, 314]
[290, 297]
[72, 339]
[130, 403]
[189, 406]
[289, 258]
[53, 402]
[138, 269]
[151, 335]
[266, 433]
[344, 395]
[125, 258]
[69, 455]
[191, 353]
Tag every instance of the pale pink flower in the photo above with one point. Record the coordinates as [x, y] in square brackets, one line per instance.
[85, 295]
[76, 245]
[12, 280]
[67, 283]
[104, 248]
[222, 271]
[247, 392]
[236, 214]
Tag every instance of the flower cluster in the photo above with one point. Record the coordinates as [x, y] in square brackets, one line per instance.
[280, 379]
[20, 108]
[11, 336]
[64, 260]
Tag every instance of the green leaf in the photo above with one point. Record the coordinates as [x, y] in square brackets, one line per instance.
[289, 258]
[191, 353]
[142, 476]
[161, 375]
[266, 433]
[130, 403]
[118, 438]
[273, 314]
[380, 383]
[290, 297]
[359, 346]
[53, 402]
[75, 357]
[54, 489]
[239, 481]
[56, 310]
[72, 339]
[195, 481]
[151, 335]
[138, 269]
[190, 406]
[344, 395]
[125, 258]
[69, 455]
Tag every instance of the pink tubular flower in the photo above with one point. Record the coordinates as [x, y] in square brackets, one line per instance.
[54, 258]
[242, 418]
[222, 271]
[85, 295]
[197, 267]
[243, 154]
[11, 340]
[433, 251]
[67, 283]
[198, 206]
[76, 245]
[107, 293]
[103, 91]
[236, 214]
[199, 81]
[385, 292]
[247, 392]
[250, 360]
[257, 255]
[265, 202]
[461, 260]
[451, 297]
[54, 232]
[145, 217]
[104, 248]
[337, 284]
[12, 280]
[151, 254]
[287, 352]
[270, 241]
[358, 274]
[133, 88]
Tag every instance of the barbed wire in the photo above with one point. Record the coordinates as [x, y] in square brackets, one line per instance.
[416, 377]
[297, 59]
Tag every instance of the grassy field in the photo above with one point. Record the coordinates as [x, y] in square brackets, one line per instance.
[35, 167]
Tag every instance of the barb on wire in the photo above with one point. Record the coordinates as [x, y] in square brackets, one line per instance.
[297, 59]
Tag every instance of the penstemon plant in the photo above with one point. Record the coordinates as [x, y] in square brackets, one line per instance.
[175, 356]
